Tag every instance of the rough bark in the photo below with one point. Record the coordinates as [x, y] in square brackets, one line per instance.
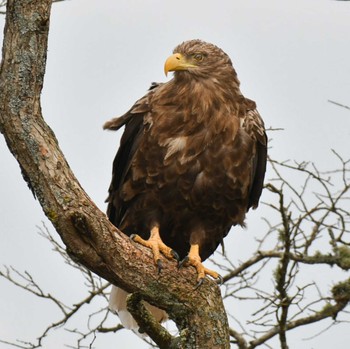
[88, 235]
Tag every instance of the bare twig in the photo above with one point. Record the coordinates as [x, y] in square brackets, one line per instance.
[340, 105]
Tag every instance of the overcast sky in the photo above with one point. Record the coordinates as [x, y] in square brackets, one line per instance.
[291, 57]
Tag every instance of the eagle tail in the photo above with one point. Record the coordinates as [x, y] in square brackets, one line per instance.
[117, 305]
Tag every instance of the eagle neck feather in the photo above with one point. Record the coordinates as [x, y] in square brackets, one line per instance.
[194, 114]
[205, 95]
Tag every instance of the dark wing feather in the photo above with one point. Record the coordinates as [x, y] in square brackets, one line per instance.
[133, 121]
[254, 125]
[259, 175]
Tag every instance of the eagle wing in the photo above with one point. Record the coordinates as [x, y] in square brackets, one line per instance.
[254, 126]
[133, 120]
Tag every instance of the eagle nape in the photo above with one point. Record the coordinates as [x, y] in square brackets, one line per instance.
[157, 246]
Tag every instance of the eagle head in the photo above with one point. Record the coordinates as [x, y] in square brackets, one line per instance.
[198, 58]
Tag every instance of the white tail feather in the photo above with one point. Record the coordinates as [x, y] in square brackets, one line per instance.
[117, 304]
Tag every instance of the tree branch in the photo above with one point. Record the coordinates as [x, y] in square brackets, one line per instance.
[339, 104]
[148, 323]
[326, 312]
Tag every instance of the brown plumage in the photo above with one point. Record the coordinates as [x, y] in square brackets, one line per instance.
[192, 158]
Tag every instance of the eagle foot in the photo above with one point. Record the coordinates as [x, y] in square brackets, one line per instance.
[157, 246]
[194, 259]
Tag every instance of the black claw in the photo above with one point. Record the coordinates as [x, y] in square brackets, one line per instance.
[219, 280]
[159, 265]
[183, 262]
[199, 283]
[132, 236]
[175, 255]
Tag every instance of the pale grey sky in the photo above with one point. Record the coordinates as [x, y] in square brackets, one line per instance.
[291, 57]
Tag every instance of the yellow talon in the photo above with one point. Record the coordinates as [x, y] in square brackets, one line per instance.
[194, 259]
[157, 246]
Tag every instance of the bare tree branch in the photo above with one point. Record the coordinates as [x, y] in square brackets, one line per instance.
[339, 104]
[3, 4]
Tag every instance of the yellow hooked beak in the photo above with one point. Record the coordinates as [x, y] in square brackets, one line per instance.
[177, 62]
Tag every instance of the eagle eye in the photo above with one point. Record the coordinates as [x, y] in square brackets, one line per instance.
[198, 57]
